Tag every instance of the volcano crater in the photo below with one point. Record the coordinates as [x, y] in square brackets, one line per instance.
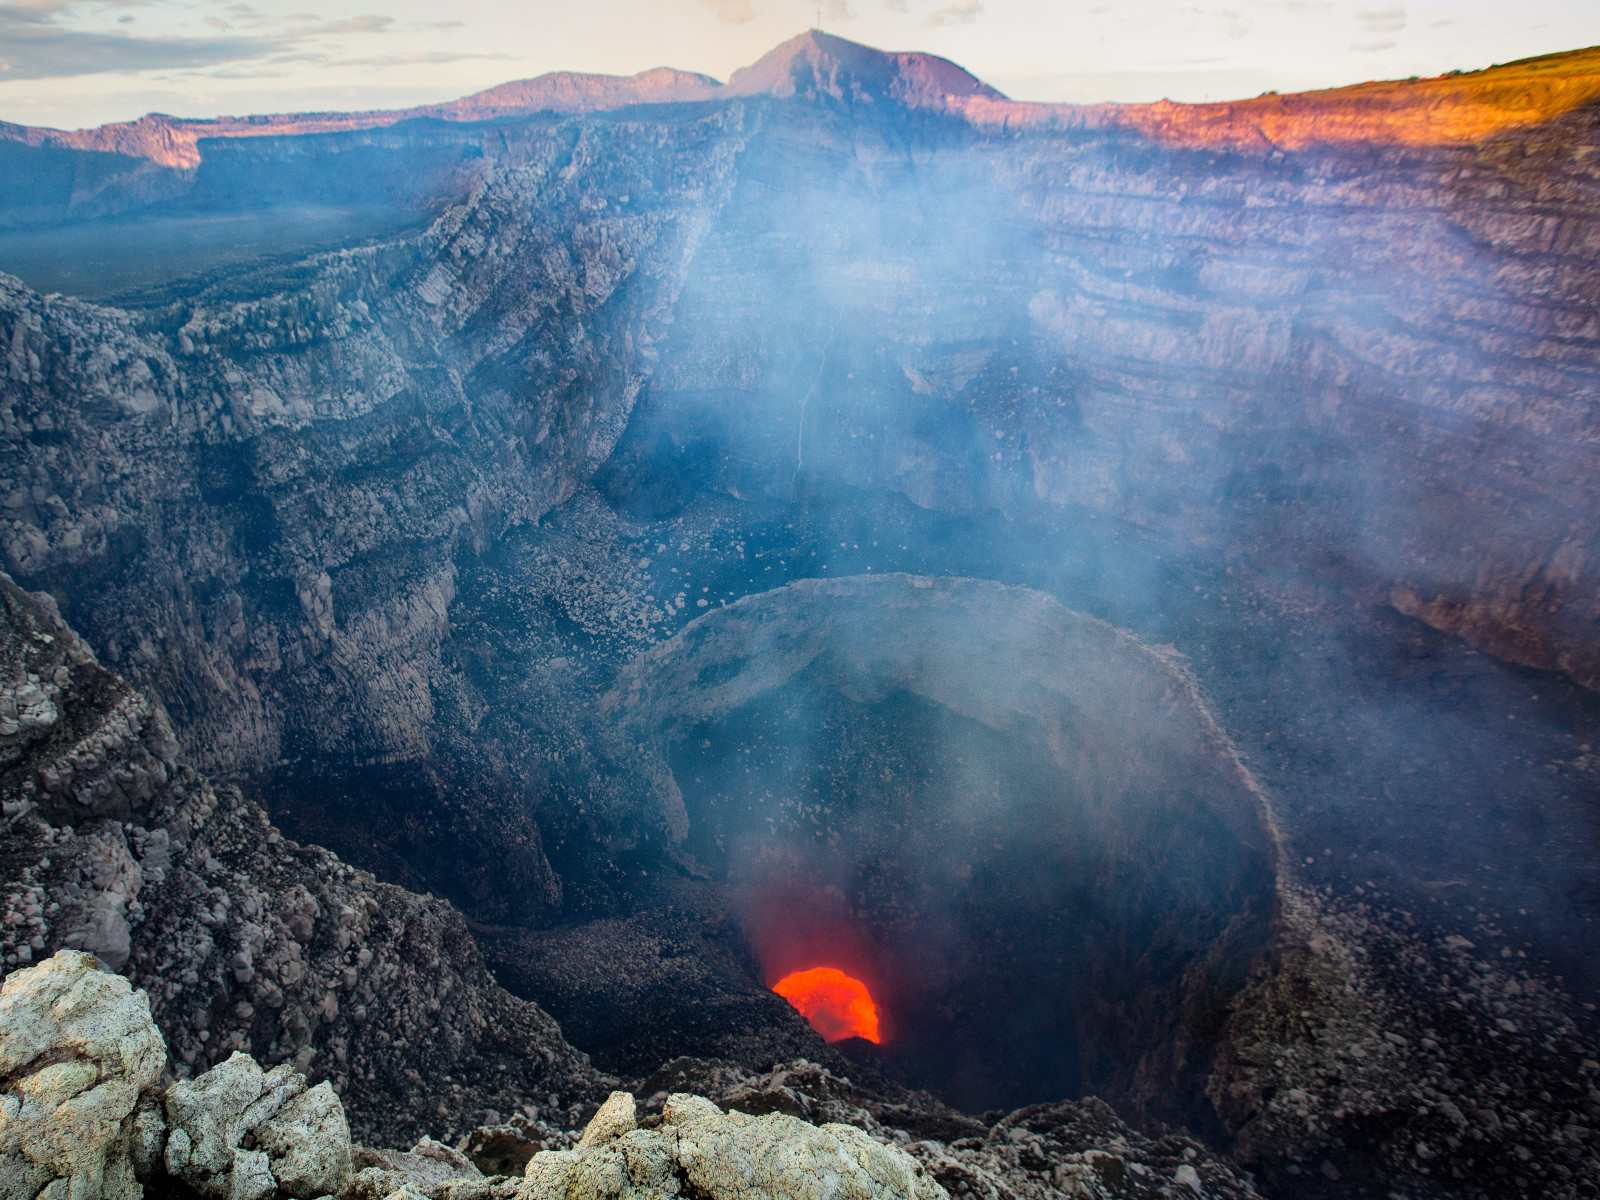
[1020, 827]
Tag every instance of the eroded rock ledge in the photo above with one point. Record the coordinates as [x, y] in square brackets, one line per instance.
[85, 1116]
[240, 939]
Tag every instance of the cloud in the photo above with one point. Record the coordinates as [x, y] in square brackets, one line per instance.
[367, 24]
[41, 42]
[1383, 20]
[1234, 23]
[38, 47]
[414, 58]
[956, 12]
[1372, 47]
[733, 12]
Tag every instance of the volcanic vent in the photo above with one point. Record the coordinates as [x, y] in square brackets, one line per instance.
[1017, 827]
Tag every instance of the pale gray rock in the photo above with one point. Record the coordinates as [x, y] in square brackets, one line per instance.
[240, 1133]
[309, 1145]
[418, 1172]
[699, 1150]
[80, 1051]
[617, 1116]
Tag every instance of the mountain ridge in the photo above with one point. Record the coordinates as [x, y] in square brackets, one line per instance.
[1454, 108]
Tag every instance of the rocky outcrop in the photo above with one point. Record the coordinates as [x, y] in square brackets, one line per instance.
[79, 1062]
[299, 1142]
[244, 941]
[83, 1115]
[421, 1171]
[698, 1150]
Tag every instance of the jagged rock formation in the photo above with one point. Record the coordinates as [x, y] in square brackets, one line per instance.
[243, 940]
[79, 1057]
[299, 1143]
[83, 1115]
[698, 1150]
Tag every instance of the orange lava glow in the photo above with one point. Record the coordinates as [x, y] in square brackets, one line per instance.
[836, 1005]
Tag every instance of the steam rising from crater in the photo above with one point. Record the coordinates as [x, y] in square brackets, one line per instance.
[1019, 829]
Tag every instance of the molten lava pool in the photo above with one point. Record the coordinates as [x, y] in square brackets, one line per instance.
[836, 1005]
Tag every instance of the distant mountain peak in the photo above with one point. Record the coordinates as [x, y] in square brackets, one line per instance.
[1452, 109]
[572, 91]
[817, 65]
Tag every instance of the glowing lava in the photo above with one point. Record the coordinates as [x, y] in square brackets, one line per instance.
[836, 1005]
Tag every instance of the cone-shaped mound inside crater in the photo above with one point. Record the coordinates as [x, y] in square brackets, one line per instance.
[1015, 828]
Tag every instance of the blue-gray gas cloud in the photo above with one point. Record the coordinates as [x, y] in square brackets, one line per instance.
[1097, 606]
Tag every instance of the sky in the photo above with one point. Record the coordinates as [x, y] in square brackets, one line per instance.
[76, 63]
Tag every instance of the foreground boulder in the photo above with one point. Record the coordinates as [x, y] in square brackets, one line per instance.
[83, 1116]
[81, 1057]
[700, 1151]
[300, 1143]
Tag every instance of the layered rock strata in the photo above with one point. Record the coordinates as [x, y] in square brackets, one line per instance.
[259, 498]
[242, 940]
[316, 621]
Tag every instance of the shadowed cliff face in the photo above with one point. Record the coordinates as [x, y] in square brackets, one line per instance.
[210, 456]
[1375, 363]
[1310, 402]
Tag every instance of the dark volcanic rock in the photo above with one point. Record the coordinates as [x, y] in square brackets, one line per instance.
[245, 941]
[1294, 386]
[286, 479]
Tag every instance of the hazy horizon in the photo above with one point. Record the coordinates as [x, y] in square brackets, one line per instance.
[79, 63]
